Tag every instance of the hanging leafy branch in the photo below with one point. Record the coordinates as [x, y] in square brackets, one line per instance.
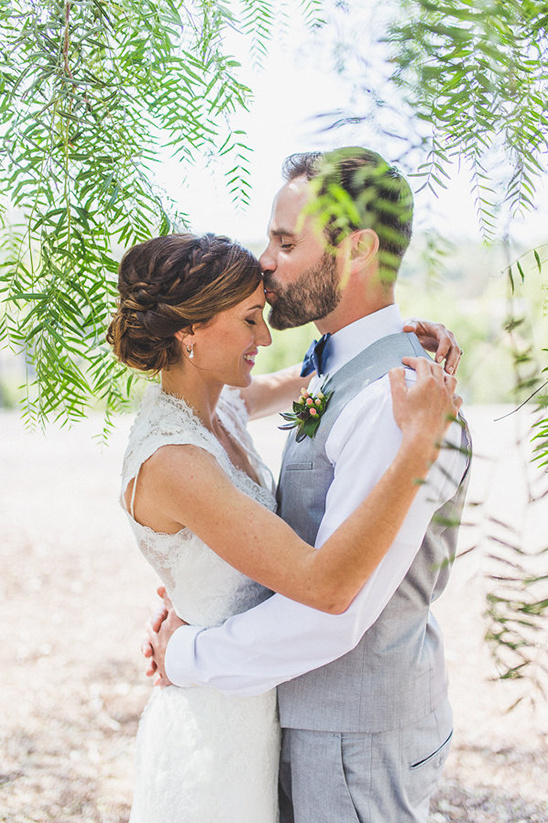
[456, 84]
[91, 93]
[474, 72]
[517, 603]
[469, 87]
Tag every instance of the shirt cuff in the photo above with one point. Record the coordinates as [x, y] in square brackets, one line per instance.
[180, 658]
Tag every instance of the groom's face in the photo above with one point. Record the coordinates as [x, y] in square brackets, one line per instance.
[301, 277]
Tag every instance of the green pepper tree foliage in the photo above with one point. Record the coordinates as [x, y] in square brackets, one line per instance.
[92, 94]
[462, 86]
[457, 84]
[475, 75]
[474, 72]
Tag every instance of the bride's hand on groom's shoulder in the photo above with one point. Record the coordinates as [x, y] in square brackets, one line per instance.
[424, 408]
[158, 632]
[436, 338]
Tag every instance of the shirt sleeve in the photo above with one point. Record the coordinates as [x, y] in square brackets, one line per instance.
[280, 639]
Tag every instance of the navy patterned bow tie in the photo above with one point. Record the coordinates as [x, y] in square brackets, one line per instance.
[313, 359]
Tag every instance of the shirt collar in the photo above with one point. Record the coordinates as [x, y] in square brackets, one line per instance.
[354, 338]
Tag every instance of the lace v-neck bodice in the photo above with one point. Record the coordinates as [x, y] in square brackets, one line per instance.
[204, 589]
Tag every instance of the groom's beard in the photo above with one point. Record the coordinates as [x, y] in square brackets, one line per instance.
[314, 295]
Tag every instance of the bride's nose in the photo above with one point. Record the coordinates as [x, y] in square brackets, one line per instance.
[264, 338]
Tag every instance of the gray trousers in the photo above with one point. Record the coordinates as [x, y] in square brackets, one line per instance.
[385, 777]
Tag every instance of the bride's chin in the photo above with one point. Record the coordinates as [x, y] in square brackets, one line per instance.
[242, 382]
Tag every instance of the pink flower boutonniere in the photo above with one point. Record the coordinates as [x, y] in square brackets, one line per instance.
[307, 413]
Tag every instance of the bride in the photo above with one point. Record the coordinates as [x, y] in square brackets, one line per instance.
[201, 504]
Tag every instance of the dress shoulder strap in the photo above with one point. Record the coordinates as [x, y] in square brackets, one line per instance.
[164, 420]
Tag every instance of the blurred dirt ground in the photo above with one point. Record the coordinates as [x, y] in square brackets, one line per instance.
[75, 593]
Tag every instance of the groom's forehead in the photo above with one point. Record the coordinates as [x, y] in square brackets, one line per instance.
[288, 206]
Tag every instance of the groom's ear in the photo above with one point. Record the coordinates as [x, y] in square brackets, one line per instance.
[365, 245]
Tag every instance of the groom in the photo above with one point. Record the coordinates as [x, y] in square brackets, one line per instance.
[362, 695]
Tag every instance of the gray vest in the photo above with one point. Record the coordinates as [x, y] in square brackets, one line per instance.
[396, 673]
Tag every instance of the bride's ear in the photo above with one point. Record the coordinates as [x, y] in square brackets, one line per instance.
[186, 341]
[183, 335]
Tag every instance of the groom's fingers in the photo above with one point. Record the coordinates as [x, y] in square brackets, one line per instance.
[158, 619]
[167, 600]
[424, 368]
[146, 647]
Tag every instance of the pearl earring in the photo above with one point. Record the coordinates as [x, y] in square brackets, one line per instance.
[190, 350]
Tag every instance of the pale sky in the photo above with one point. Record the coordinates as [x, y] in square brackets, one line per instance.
[294, 86]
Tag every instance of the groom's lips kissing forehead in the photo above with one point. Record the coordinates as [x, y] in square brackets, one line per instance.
[267, 290]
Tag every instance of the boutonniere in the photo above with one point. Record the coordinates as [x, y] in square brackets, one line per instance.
[307, 413]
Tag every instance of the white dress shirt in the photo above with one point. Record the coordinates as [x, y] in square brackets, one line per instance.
[281, 639]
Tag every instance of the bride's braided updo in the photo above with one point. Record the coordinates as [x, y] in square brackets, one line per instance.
[171, 283]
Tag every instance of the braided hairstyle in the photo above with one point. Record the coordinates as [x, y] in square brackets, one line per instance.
[170, 283]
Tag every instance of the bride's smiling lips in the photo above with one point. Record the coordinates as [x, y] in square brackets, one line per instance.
[250, 356]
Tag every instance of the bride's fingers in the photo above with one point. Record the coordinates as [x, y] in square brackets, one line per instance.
[148, 652]
[398, 386]
[425, 368]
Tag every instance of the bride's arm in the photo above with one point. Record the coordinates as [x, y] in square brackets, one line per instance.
[274, 392]
[186, 484]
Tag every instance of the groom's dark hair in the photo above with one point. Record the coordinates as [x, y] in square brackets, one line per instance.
[355, 188]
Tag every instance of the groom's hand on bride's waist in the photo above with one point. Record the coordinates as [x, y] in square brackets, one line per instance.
[158, 632]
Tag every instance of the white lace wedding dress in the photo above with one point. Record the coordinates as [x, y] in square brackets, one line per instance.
[202, 757]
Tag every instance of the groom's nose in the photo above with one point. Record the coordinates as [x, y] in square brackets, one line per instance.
[267, 260]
